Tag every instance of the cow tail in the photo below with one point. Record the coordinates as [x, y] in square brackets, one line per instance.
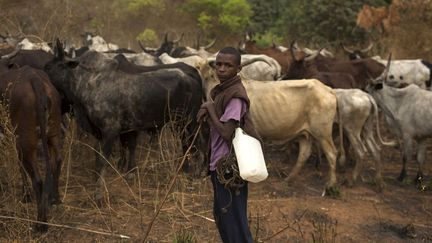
[376, 118]
[342, 155]
[41, 107]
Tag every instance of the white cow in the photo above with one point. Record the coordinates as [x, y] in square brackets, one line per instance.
[190, 60]
[264, 69]
[97, 43]
[359, 113]
[409, 112]
[401, 72]
[25, 44]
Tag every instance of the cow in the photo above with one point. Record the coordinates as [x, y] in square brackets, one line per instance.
[25, 44]
[108, 102]
[34, 109]
[359, 112]
[357, 54]
[166, 46]
[404, 71]
[33, 58]
[284, 59]
[191, 60]
[186, 51]
[142, 59]
[408, 112]
[305, 68]
[97, 43]
[310, 114]
[363, 70]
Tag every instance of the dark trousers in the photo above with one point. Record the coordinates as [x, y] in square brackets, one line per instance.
[230, 212]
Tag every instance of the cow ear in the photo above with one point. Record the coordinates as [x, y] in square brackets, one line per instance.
[72, 63]
[212, 64]
[378, 86]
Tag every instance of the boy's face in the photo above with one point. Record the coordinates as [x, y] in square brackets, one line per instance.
[226, 66]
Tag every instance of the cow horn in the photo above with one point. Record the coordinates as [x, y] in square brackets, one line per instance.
[273, 42]
[314, 55]
[346, 49]
[292, 47]
[142, 46]
[387, 68]
[247, 37]
[367, 49]
[58, 49]
[12, 54]
[255, 59]
[179, 39]
[210, 44]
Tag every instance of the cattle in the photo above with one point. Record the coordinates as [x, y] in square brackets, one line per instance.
[305, 68]
[283, 58]
[34, 109]
[359, 112]
[405, 71]
[357, 54]
[108, 102]
[33, 58]
[192, 60]
[97, 43]
[408, 112]
[167, 46]
[284, 110]
[363, 70]
[186, 51]
[142, 59]
[25, 44]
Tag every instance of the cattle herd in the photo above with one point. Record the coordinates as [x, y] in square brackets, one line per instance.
[295, 93]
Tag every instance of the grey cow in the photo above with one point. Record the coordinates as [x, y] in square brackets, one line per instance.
[408, 110]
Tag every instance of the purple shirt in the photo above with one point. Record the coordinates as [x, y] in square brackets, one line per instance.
[235, 110]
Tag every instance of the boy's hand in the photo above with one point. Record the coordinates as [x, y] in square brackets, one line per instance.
[202, 115]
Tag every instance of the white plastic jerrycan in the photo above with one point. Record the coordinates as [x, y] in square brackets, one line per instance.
[249, 156]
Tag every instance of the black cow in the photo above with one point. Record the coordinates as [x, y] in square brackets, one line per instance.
[108, 102]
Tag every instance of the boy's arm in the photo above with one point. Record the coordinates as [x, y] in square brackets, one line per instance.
[225, 129]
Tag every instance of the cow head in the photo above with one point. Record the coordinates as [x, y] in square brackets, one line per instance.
[378, 83]
[302, 63]
[168, 46]
[357, 54]
[60, 68]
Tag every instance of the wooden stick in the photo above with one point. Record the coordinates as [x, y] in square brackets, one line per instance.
[171, 185]
[68, 227]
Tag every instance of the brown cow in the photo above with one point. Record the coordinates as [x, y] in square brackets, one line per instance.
[303, 68]
[34, 109]
[363, 70]
[283, 58]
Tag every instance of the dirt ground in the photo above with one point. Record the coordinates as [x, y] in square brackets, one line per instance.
[278, 211]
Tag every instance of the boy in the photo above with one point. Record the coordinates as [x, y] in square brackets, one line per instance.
[228, 110]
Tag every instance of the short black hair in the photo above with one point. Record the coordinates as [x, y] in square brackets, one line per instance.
[233, 51]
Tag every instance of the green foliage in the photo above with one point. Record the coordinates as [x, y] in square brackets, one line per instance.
[266, 39]
[148, 37]
[314, 21]
[137, 5]
[219, 15]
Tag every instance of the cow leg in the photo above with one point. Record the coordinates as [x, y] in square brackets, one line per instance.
[305, 149]
[132, 143]
[330, 153]
[107, 142]
[359, 156]
[421, 157]
[374, 150]
[29, 161]
[26, 193]
[407, 155]
[55, 155]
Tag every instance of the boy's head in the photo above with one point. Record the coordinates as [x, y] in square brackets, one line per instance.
[228, 63]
